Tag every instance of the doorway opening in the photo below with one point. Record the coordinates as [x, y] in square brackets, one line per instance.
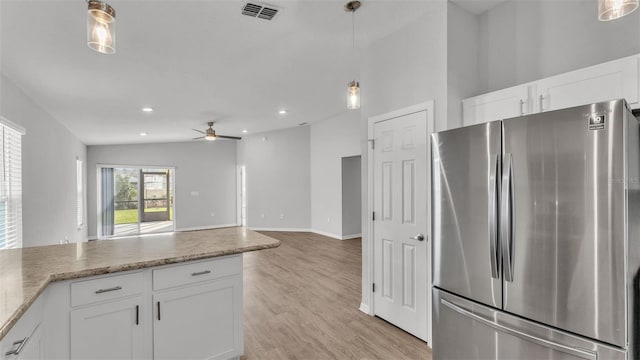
[135, 201]
[351, 197]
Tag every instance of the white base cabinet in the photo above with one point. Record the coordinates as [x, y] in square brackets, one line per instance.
[208, 317]
[618, 79]
[25, 341]
[112, 330]
[190, 310]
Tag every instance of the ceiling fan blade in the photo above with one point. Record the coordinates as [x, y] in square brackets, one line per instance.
[200, 131]
[229, 137]
[198, 138]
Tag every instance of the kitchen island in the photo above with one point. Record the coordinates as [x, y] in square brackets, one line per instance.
[26, 273]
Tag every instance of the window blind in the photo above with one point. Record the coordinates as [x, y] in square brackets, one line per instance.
[80, 193]
[10, 185]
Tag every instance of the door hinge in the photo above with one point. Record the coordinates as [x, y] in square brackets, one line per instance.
[373, 143]
[373, 287]
[373, 216]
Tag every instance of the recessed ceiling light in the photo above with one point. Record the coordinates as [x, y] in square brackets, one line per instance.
[147, 109]
[244, 131]
[143, 134]
[282, 112]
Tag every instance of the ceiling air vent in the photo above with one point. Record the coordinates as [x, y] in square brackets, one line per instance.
[261, 11]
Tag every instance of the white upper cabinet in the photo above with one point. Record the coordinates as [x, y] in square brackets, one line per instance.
[501, 104]
[608, 81]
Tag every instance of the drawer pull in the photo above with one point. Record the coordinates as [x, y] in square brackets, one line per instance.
[16, 351]
[201, 273]
[115, 288]
[137, 314]
[158, 310]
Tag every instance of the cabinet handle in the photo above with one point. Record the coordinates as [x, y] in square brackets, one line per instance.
[115, 288]
[201, 273]
[16, 351]
[137, 314]
[521, 107]
[158, 310]
[541, 102]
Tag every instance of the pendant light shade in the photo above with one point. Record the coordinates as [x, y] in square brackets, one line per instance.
[614, 9]
[353, 93]
[353, 96]
[101, 27]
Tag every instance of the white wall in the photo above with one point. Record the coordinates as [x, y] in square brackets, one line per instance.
[277, 179]
[208, 168]
[463, 39]
[527, 40]
[49, 152]
[331, 140]
[406, 68]
[351, 196]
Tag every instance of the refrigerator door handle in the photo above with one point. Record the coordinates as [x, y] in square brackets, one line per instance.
[506, 217]
[583, 354]
[494, 188]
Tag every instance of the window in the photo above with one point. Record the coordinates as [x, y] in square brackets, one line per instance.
[10, 185]
[79, 193]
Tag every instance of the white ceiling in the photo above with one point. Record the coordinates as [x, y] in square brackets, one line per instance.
[192, 61]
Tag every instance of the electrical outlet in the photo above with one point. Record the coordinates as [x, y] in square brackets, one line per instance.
[328, 219]
[281, 216]
[195, 193]
[262, 216]
[213, 214]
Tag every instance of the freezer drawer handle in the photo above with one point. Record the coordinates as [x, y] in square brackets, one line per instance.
[506, 232]
[494, 188]
[534, 339]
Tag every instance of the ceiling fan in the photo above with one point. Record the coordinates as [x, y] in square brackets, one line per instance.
[210, 134]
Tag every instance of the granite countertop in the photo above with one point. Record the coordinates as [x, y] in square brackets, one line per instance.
[25, 273]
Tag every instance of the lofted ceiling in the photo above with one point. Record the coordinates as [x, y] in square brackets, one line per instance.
[192, 61]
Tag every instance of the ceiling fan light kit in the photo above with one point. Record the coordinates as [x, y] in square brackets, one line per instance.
[211, 135]
[101, 27]
[353, 91]
[615, 9]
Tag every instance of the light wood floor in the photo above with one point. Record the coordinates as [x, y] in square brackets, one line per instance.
[301, 302]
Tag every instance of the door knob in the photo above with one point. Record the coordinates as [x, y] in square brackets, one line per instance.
[418, 237]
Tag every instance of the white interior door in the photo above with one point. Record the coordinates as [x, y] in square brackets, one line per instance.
[400, 202]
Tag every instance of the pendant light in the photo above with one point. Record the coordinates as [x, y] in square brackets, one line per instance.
[101, 27]
[353, 93]
[614, 9]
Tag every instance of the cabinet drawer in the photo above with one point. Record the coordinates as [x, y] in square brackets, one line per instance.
[190, 273]
[108, 288]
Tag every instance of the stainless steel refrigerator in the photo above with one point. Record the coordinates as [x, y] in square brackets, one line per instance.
[536, 237]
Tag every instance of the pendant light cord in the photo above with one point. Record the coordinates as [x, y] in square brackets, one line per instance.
[353, 38]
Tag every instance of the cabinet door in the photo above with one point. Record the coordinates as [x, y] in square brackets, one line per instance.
[199, 322]
[497, 105]
[609, 81]
[112, 330]
[33, 348]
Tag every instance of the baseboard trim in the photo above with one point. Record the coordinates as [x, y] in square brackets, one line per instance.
[328, 234]
[335, 236]
[280, 229]
[206, 227]
[364, 308]
[352, 236]
[91, 238]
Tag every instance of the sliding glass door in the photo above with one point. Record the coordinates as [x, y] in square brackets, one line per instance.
[135, 201]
